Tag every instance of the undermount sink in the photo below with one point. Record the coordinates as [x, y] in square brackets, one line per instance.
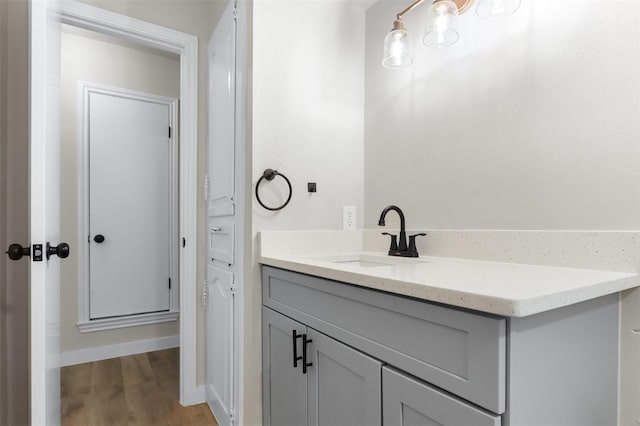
[367, 260]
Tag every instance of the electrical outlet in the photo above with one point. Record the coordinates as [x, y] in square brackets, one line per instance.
[349, 218]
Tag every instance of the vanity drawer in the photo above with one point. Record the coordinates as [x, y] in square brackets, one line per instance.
[459, 351]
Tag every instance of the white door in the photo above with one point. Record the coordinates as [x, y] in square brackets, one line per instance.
[129, 150]
[220, 294]
[14, 215]
[224, 222]
[45, 212]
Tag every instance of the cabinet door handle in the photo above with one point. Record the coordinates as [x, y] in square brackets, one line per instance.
[305, 364]
[296, 358]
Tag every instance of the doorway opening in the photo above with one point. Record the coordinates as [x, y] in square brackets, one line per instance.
[167, 43]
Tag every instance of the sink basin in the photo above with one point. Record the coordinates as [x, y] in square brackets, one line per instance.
[367, 260]
[361, 263]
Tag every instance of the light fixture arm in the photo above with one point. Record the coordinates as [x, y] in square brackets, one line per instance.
[462, 5]
[409, 9]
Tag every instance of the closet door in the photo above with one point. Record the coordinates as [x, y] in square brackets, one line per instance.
[129, 203]
[224, 226]
[220, 311]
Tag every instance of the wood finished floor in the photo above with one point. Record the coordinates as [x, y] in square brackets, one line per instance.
[133, 390]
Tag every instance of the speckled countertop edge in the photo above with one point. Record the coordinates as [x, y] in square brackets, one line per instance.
[536, 297]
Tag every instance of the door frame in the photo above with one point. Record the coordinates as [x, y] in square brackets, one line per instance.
[186, 46]
[85, 323]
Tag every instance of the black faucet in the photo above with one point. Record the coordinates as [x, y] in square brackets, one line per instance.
[399, 246]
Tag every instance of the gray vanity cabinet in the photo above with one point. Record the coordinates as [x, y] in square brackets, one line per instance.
[412, 362]
[339, 386]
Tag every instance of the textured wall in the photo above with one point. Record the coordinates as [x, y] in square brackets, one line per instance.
[308, 109]
[530, 122]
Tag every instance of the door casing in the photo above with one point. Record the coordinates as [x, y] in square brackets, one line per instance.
[186, 46]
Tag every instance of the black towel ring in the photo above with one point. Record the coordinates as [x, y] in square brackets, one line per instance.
[269, 175]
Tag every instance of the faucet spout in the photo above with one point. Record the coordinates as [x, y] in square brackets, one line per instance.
[402, 240]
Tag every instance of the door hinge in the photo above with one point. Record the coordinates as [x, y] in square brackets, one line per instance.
[169, 283]
[206, 187]
[233, 287]
[169, 132]
[205, 295]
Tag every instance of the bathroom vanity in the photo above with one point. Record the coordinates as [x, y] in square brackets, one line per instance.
[361, 339]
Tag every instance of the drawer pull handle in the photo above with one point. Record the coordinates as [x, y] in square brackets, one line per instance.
[305, 364]
[296, 358]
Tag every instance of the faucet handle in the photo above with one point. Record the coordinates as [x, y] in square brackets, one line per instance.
[394, 241]
[413, 251]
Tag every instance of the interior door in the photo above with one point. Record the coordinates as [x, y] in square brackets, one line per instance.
[44, 151]
[129, 204]
[14, 213]
[222, 221]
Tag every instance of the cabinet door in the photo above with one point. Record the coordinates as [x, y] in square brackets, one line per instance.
[219, 335]
[409, 402]
[284, 386]
[343, 384]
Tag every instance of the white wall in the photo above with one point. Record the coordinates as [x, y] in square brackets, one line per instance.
[532, 122]
[98, 59]
[308, 110]
[308, 100]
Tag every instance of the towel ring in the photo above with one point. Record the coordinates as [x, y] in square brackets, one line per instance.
[270, 174]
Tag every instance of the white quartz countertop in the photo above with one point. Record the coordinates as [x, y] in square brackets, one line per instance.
[506, 289]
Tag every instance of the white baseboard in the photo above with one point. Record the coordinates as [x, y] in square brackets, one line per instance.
[121, 349]
[201, 394]
[196, 395]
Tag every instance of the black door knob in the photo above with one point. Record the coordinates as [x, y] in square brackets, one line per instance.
[99, 238]
[16, 251]
[61, 250]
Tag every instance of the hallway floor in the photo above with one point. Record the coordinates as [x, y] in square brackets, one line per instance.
[136, 390]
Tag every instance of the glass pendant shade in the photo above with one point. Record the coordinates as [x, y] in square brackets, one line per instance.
[491, 9]
[442, 29]
[396, 48]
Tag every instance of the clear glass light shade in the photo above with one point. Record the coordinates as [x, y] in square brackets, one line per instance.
[396, 49]
[491, 9]
[442, 24]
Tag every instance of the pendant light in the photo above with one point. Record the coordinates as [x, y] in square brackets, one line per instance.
[396, 47]
[442, 26]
